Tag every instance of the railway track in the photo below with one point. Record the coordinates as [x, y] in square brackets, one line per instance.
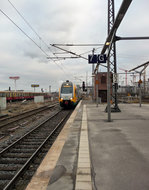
[11, 119]
[12, 124]
[19, 161]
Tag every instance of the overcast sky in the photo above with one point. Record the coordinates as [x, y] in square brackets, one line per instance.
[64, 21]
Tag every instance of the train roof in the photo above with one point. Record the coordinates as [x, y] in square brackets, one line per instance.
[67, 83]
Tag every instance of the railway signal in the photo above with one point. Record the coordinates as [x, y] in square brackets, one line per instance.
[83, 86]
[139, 82]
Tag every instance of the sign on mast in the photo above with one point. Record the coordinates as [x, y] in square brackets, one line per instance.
[15, 78]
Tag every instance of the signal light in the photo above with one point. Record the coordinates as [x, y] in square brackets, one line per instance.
[83, 86]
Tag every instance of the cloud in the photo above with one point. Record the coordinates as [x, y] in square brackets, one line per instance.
[66, 21]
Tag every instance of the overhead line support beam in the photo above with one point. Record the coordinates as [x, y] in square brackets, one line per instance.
[69, 52]
[62, 57]
[77, 44]
[140, 73]
[117, 38]
[144, 64]
[122, 11]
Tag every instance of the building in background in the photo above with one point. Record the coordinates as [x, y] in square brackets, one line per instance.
[100, 86]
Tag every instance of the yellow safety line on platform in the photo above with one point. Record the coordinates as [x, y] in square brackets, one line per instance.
[83, 178]
[42, 176]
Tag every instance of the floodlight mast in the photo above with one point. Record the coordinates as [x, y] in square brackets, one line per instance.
[113, 25]
[112, 57]
[108, 108]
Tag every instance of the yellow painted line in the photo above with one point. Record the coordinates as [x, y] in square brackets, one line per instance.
[83, 177]
[42, 176]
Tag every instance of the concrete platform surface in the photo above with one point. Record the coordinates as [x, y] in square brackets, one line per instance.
[109, 156]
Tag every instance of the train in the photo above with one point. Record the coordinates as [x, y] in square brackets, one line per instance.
[12, 96]
[69, 95]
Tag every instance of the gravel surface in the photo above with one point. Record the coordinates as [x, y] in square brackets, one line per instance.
[14, 107]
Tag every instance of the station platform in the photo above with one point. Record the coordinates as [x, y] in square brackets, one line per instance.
[93, 154]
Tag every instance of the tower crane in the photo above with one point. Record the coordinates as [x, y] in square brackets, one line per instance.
[125, 75]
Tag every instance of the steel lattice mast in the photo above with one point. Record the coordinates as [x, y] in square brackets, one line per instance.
[112, 57]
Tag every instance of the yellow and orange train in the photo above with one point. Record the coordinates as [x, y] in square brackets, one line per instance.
[69, 94]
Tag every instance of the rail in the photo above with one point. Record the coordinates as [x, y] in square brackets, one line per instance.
[23, 151]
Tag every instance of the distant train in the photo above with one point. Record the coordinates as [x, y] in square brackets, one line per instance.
[69, 94]
[20, 95]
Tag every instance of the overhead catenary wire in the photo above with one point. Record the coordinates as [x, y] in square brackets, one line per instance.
[63, 57]
[30, 38]
[36, 34]
[31, 28]
[78, 44]
[79, 56]
[89, 51]
[69, 51]
[28, 23]
[23, 32]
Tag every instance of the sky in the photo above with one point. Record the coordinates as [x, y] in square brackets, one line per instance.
[26, 51]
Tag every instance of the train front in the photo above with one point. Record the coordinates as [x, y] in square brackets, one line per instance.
[66, 98]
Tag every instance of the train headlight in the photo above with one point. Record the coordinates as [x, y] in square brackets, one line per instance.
[61, 99]
[71, 99]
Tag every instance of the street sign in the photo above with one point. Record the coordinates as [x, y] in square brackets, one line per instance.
[15, 78]
[92, 58]
[97, 58]
[35, 85]
[102, 58]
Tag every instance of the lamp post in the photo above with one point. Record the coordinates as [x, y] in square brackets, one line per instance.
[50, 89]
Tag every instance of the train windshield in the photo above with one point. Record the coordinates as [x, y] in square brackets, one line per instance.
[66, 89]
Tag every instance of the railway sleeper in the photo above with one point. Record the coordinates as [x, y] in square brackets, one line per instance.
[27, 146]
[13, 160]
[32, 143]
[3, 183]
[39, 134]
[7, 175]
[17, 155]
[23, 150]
[34, 140]
[12, 167]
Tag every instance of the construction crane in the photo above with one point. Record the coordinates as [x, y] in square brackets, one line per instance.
[126, 71]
